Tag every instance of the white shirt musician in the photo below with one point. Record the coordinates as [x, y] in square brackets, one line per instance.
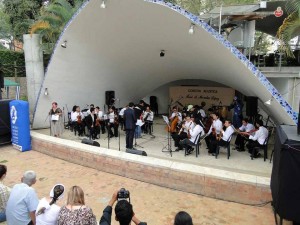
[174, 114]
[148, 115]
[258, 140]
[216, 126]
[75, 115]
[225, 138]
[245, 130]
[193, 135]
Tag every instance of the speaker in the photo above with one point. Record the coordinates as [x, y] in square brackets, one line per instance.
[109, 97]
[298, 124]
[90, 142]
[136, 152]
[251, 106]
[5, 131]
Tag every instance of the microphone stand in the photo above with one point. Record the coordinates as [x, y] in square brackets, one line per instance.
[119, 128]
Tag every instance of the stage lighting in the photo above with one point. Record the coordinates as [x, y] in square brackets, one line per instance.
[269, 102]
[162, 53]
[46, 92]
[64, 45]
[191, 30]
[103, 5]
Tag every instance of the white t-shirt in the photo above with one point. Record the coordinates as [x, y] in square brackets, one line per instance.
[49, 217]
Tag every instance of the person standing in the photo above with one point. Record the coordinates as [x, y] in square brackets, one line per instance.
[56, 123]
[237, 107]
[129, 124]
[4, 193]
[91, 123]
[23, 201]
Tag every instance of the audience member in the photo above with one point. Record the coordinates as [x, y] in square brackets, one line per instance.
[47, 210]
[22, 202]
[76, 212]
[183, 218]
[4, 193]
[123, 210]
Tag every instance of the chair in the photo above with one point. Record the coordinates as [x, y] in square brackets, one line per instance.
[195, 144]
[227, 146]
[264, 146]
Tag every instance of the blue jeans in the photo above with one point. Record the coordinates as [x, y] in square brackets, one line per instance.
[138, 132]
[2, 217]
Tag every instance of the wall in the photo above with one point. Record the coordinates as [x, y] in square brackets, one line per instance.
[215, 183]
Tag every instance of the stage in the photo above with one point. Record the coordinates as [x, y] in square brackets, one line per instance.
[238, 179]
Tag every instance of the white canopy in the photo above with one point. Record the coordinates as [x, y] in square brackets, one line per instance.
[118, 48]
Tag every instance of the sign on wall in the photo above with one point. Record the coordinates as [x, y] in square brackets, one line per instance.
[212, 96]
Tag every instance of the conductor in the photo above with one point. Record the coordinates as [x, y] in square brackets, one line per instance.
[129, 122]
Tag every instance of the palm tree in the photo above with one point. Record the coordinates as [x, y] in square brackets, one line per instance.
[290, 27]
[53, 19]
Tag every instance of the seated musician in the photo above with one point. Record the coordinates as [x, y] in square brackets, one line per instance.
[121, 117]
[77, 120]
[202, 111]
[214, 129]
[175, 114]
[91, 123]
[223, 138]
[258, 139]
[187, 124]
[244, 132]
[98, 121]
[192, 135]
[89, 111]
[112, 122]
[148, 116]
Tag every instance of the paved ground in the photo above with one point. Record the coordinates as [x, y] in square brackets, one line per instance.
[153, 204]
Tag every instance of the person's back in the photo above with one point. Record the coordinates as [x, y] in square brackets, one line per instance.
[4, 193]
[51, 214]
[22, 201]
[47, 210]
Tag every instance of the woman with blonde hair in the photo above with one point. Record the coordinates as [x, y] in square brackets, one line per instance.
[76, 212]
[47, 211]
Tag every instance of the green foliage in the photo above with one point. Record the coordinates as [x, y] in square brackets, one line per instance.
[21, 14]
[290, 27]
[7, 58]
[53, 19]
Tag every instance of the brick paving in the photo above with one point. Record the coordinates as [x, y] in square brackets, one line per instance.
[153, 204]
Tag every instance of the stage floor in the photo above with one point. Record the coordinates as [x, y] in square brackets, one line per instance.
[153, 145]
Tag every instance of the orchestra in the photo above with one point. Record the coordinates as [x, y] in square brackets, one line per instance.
[213, 121]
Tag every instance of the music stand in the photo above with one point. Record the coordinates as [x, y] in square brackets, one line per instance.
[168, 146]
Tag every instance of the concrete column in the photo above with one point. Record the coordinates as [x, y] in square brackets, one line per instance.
[34, 67]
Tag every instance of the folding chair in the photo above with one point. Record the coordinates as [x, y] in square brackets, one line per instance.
[195, 144]
[227, 146]
[264, 146]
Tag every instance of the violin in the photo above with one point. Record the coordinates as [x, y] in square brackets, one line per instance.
[79, 120]
[97, 122]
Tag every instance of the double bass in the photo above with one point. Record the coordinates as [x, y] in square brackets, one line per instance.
[173, 126]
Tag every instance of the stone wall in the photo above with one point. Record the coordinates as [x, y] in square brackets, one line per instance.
[210, 182]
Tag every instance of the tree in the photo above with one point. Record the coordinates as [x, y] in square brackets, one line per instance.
[53, 19]
[21, 14]
[290, 27]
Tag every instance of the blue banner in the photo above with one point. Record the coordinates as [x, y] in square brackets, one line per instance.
[20, 125]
